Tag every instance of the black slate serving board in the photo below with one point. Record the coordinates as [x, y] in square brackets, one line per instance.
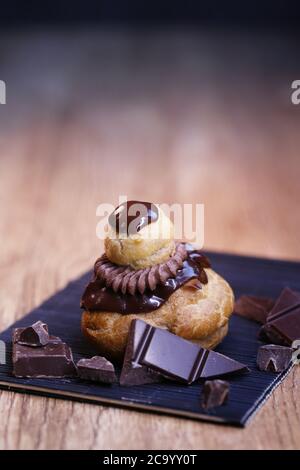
[248, 392]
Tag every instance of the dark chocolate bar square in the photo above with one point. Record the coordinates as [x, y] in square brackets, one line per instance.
[178, 359]
[52, 360]
[172, 356]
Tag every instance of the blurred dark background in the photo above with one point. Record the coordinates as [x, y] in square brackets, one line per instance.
[137, 13]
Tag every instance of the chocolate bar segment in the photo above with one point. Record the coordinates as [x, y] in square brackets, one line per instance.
[215, 393]
[178, 359]
[284, 327]
[96, 369]
[274, 358]
[287, 298]
[35, 335]
[283, 322]
[218, 365]
[134, 373]
[52, 360]
[253, 307]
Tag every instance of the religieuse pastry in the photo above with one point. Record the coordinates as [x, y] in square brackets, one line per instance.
[147, 275]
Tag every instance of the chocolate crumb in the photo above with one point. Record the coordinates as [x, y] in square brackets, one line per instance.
[215, 393]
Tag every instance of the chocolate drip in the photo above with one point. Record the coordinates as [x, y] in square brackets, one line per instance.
[98, 297]
[131, 216]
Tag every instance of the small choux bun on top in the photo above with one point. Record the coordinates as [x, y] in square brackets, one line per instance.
[139, 235]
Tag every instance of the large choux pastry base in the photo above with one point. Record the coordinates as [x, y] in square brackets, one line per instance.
[200, 316]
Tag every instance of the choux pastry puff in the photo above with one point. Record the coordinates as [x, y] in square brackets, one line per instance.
[145, 274]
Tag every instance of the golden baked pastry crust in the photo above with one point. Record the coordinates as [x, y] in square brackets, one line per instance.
[152, 245]
[138, 253]
[197, 315]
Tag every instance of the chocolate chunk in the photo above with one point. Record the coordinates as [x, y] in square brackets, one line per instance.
[179, 359]
[287, 298]
[215, 393]
[253, 307]
[283, 327]
[96, 369]
[283, 322]
[17, 332]
[52, 360]
[134, 373]
[35, 335]
[274, 358]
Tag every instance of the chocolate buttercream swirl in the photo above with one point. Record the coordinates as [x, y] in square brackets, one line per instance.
[129, 281]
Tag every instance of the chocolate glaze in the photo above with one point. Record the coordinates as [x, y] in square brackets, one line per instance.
[131, 216]
[98, 297]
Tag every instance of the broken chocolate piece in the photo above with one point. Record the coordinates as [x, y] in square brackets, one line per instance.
[215, 393]
[134, 373]
[18, 331]
[178, 359]
[253, 307]
[283, 327]
[287, 298]
[35, 335]
[52, 360]
[274, 358]
[96, 369]
[283, 322]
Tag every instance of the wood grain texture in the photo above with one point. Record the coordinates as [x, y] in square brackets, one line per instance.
[185, 117]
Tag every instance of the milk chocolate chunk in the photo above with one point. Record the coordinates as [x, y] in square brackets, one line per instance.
[134, 373]
[35, 335]
[215, 393]
[253, 307]
[180, 360]
[52, 360]
[96, 369]
[274, 358]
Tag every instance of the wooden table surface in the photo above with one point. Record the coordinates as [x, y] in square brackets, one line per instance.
[169, 117]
